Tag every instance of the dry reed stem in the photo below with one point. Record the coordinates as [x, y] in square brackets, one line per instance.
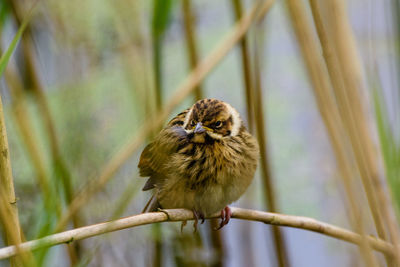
[47, 118]
[246, 66]
[245, 231]
[188, 85]
[356, 121]
[268, 182]
[191, 43]
[7, 183]
[14, 236]
[328, 109]
[346, 110]
[38, 92]
[21, 114]
[22, 117]
[37, 88]
[8, 201]
[177, 215]
[346, 106]
[20, 109]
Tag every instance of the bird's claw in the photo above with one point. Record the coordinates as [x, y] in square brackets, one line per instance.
[164, 211]
[226, 214]
[197, 215]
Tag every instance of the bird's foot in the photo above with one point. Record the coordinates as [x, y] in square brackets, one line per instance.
[197, 215]
[164, 211]
[226, 214]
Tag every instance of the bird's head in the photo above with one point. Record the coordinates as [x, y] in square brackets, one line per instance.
[212, 118]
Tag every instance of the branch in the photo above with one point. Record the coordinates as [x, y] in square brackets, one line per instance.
[175, 215]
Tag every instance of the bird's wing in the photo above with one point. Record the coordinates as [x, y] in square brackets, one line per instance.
[145, 166]
[156, 154]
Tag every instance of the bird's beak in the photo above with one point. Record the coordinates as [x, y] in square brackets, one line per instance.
[199, 128]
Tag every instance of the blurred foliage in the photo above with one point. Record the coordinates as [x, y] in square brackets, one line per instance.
[5, 57]
[390, 146]
[159, 24]
[4, 10]
[105, 65]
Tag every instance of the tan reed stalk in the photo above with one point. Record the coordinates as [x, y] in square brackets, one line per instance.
[246, 67]
[347, 110]
[37, 88]
[7, 183]
[8, 201]
[178, 215]
[24, 124]
[44, 109]
[257, 12]
[330, 114]
[189, 27]
[22, 117]
[350, 99]
[248, 258]
[269, 188]
[13, 236]
[338, 82]
[38, 92]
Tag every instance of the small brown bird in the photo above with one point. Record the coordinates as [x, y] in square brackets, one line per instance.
[203, 160]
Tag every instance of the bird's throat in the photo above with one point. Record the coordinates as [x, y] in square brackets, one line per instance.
[199, 138]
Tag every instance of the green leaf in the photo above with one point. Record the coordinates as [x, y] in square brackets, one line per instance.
[389, 146]
[4, 9]
[7, 54]
[161, 16]
[159, 24]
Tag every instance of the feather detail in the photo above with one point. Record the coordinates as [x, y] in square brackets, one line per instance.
[204, 170]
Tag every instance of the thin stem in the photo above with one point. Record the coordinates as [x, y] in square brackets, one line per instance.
[268, 182]
[178, 215]
[22, 117]
[330, 114]
[35, 84]
[350, 101]
[191, 43]
[8, 201]
[246, 66]
[346, 108]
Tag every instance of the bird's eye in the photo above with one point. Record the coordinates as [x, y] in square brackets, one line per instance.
[218, 124]
[193, 123]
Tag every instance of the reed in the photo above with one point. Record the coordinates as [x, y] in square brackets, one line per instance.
[270, 198]
[352, 114]
[356, 122]
[8, 202]
[246, 67]
[330, 114]
[62, 173]
[189, 22]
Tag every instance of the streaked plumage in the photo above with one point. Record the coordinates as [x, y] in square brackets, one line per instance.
[203, 160]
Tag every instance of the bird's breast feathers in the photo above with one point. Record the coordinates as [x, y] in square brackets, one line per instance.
[203, 159]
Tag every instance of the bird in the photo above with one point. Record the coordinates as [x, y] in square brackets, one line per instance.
[203, 160]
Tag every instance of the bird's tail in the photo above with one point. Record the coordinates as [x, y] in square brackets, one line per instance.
[152, 204]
